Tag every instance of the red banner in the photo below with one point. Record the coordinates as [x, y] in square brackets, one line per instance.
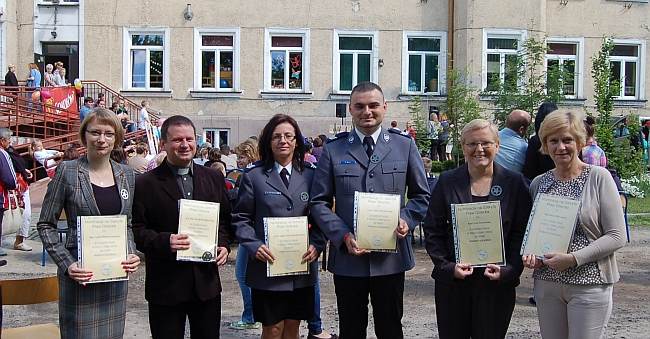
[64, 98]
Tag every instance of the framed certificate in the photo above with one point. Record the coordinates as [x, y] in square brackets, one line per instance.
[478, 235]
[288, 240]
[376, 217]
[102, 246]
[200, 221]
[551, 225]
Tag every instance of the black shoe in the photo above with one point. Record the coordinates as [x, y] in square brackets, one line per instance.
[532, 300]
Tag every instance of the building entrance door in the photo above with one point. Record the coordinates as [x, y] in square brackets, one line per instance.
[66, 52]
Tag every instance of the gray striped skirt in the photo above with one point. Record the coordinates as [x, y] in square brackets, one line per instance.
[91, 311]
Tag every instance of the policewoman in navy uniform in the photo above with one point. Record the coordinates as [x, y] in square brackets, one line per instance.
[368, 159]
[277, 186]
[476, 302]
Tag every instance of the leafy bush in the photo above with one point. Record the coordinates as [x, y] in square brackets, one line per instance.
[436, 167]
[448, 164]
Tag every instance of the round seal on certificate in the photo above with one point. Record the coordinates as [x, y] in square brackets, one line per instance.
[376, 241]
[289, 264]
[207, 256]
[482, 254]
[546, 248]
[105, 269]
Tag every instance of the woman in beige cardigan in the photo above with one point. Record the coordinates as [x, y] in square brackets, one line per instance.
[574, 290]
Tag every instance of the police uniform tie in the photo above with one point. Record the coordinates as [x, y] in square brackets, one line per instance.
[368, 144]
[284, 175]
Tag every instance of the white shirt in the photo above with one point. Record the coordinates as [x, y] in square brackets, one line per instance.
[42, 155]
[230, 160]
[144, 119]
[278, 168]
[374, 135]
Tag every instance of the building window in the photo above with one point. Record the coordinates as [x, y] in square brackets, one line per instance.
[355, 59]
[216, 136]
[501, 48]
[216, 59]
[424, 62]
[564, 63]
[625, 61]
[286, 60]
[146, 59]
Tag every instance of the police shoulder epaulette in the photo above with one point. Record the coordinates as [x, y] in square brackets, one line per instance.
[339, 136]
[310, 165]
[256, 164]
[390, 130]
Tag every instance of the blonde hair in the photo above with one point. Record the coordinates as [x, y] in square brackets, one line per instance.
[248, 148]
[105, 117]
[478, 124]
[563, 120]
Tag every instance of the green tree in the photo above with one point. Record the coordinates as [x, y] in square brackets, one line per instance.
[421, 122]
[461, 107]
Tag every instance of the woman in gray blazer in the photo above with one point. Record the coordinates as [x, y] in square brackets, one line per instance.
[277, 186]
[91, 185]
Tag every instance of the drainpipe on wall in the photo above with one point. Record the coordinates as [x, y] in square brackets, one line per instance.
[450, 36]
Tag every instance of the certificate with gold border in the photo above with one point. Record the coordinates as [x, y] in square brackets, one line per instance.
[200, 221]
[551, 225]
[478, 235]
[376, 216]
[288, 239]
[102, 246]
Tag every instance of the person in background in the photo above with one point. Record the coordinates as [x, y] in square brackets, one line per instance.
[228, 157]
[202, 156]
[573, 290]
[10, 77]
[92, 185]
[143, 120]
[247, 154]
[410, 130]
[88, 106]
[444, 138]
[8, 179]
[317, 150]
[45, 157]
[592, 154]
[34, 76]
[157, 160]
[139, 161]
[513, 146]
[537, 163]
[393, 126]
[72, 152]
[101, 103]
[473, 301]
[214, 155]
[62, 78]
[50, 78]
[309, 157]
[23, 176]
[119, 156]
[435, 128]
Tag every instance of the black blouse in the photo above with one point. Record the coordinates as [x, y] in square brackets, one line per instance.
[108, 199]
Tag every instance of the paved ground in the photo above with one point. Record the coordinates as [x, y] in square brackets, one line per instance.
[630, 318]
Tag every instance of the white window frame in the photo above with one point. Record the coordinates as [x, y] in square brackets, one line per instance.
[374, 57]
[442, 60]
[304, 33]
[126, 57]
[518, 34]
[199, 48]
[216, 133]
[578, 58]
[640, 69]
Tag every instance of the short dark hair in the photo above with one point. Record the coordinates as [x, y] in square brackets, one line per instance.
[544, 109]
[264, 145]
[88, 99]
[175, 120]
[366, 86]
[393, 124]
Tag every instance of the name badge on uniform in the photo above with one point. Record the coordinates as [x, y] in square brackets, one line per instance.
[272, 193]
[374, 158]
[304, 196]
[348, 162]
[125, 194]
[496, 190]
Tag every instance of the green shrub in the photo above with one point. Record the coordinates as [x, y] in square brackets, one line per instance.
[436, 167]
[448, 164]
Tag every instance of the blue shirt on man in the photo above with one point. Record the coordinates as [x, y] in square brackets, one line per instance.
[512, 150]
[83, 111]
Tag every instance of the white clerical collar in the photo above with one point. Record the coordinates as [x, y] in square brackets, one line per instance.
[279, 167]
[374, 135]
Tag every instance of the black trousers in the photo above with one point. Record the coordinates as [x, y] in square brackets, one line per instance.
[386, 296]
[168, 321]
[434, 150]
[476, 309]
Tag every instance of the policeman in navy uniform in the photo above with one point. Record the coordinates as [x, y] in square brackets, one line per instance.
[368, 159]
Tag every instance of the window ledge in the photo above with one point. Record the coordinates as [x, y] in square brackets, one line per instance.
[629, 103]
[286, 95]
[340, 96]
[215, 94]
[146, 93]
[50, 4]
[432, 97]
[573, 102]
[487, 97]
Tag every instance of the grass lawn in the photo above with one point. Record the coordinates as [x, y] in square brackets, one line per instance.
[636, 205]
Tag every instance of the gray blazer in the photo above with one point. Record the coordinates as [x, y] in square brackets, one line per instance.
[345, 168]
[71, 190]
[263, 194]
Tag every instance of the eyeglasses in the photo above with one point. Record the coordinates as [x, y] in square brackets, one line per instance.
[287, 136]
[484, 145]
[97, 134]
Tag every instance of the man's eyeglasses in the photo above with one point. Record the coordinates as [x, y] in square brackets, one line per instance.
[484, 145]
[287, 136]
[97, 134]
